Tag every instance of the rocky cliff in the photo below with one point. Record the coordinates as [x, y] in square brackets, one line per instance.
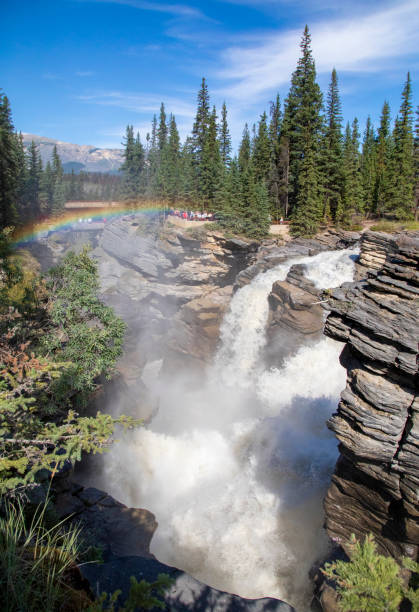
[376, 480]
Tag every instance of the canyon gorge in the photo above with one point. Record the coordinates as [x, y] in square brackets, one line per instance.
[236, 355]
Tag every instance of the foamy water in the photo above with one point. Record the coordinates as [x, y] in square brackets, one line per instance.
[235, 471]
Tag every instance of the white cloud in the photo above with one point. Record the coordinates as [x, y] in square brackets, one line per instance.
[360, 44]
[177, 10]
[141, 103]
[84, 73]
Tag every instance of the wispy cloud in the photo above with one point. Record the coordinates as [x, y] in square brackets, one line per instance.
[50, 76]
[84, 73]
[359, 44]
[177, 10]
[140, 103]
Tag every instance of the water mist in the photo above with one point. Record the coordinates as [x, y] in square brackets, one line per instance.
[236, 466]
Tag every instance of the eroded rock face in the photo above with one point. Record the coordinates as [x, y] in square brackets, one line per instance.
[376, 481]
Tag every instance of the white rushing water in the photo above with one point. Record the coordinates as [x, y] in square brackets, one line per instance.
[235, 469]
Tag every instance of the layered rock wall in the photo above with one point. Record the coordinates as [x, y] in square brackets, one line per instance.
[376, 481]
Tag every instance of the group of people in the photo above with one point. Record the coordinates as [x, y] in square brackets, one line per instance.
[192, 215]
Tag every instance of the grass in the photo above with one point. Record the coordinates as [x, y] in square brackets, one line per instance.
[395, 226]
[36, 563]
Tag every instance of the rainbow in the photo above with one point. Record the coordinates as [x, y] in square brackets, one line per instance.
[71, 218]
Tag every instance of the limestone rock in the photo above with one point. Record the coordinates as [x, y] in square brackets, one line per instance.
[375, 484]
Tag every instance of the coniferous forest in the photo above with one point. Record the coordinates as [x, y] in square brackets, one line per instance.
[299, 164]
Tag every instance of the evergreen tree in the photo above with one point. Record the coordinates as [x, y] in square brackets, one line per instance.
[132, 166]
[151, 164]
[301, 127]
[8, 165]
[170, 168]
[244, 150]
[47, 189]
[353, 195]
[187, 174]
[225, 138]
[416, 164]
[162, 129]
[21, 180]
[58, 192]
[201, 124]
[383, 154]
[211, 165]
[261, 154]
[403, 162]
[368, 166]
[275, 170]
[332, 152]
[33, 181]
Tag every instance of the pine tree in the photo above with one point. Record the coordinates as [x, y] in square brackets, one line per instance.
[187, 175]
[332, 163]
[403, 162]
[383, 154]
[301, 128]
[225, 138]
[8, 165]
[368, 166]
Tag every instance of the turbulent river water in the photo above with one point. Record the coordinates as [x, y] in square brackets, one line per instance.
[235, 467]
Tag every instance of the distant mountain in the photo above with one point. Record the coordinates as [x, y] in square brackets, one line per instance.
[78, 157]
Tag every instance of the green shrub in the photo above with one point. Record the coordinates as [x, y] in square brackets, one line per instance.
[371, 582]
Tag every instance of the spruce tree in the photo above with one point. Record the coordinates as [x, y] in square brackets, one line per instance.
[21, 180]
[129, 168]
[244, 150]
[261, 154]
[33, 181]
[368, 166]
[152, 161]
[170, 168]
[58, 193]
[9, 169]
[383, 157]
[416, 164]
[201, 123]
[301, 128]
[275, 170]
[211, 171]
[162, 129]
[332, 163]
[353, 195]
[403, 164]
[47, 189]
[225, 138]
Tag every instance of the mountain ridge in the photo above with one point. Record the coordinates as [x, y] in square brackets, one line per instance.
[92, 159]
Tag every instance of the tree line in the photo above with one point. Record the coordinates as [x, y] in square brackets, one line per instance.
[297, 163]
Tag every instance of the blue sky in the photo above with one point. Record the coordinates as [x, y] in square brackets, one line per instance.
[81, 70]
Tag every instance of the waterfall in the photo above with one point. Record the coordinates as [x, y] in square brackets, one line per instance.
[235, 469]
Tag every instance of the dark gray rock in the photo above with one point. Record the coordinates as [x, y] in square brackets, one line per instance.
[186, 593]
